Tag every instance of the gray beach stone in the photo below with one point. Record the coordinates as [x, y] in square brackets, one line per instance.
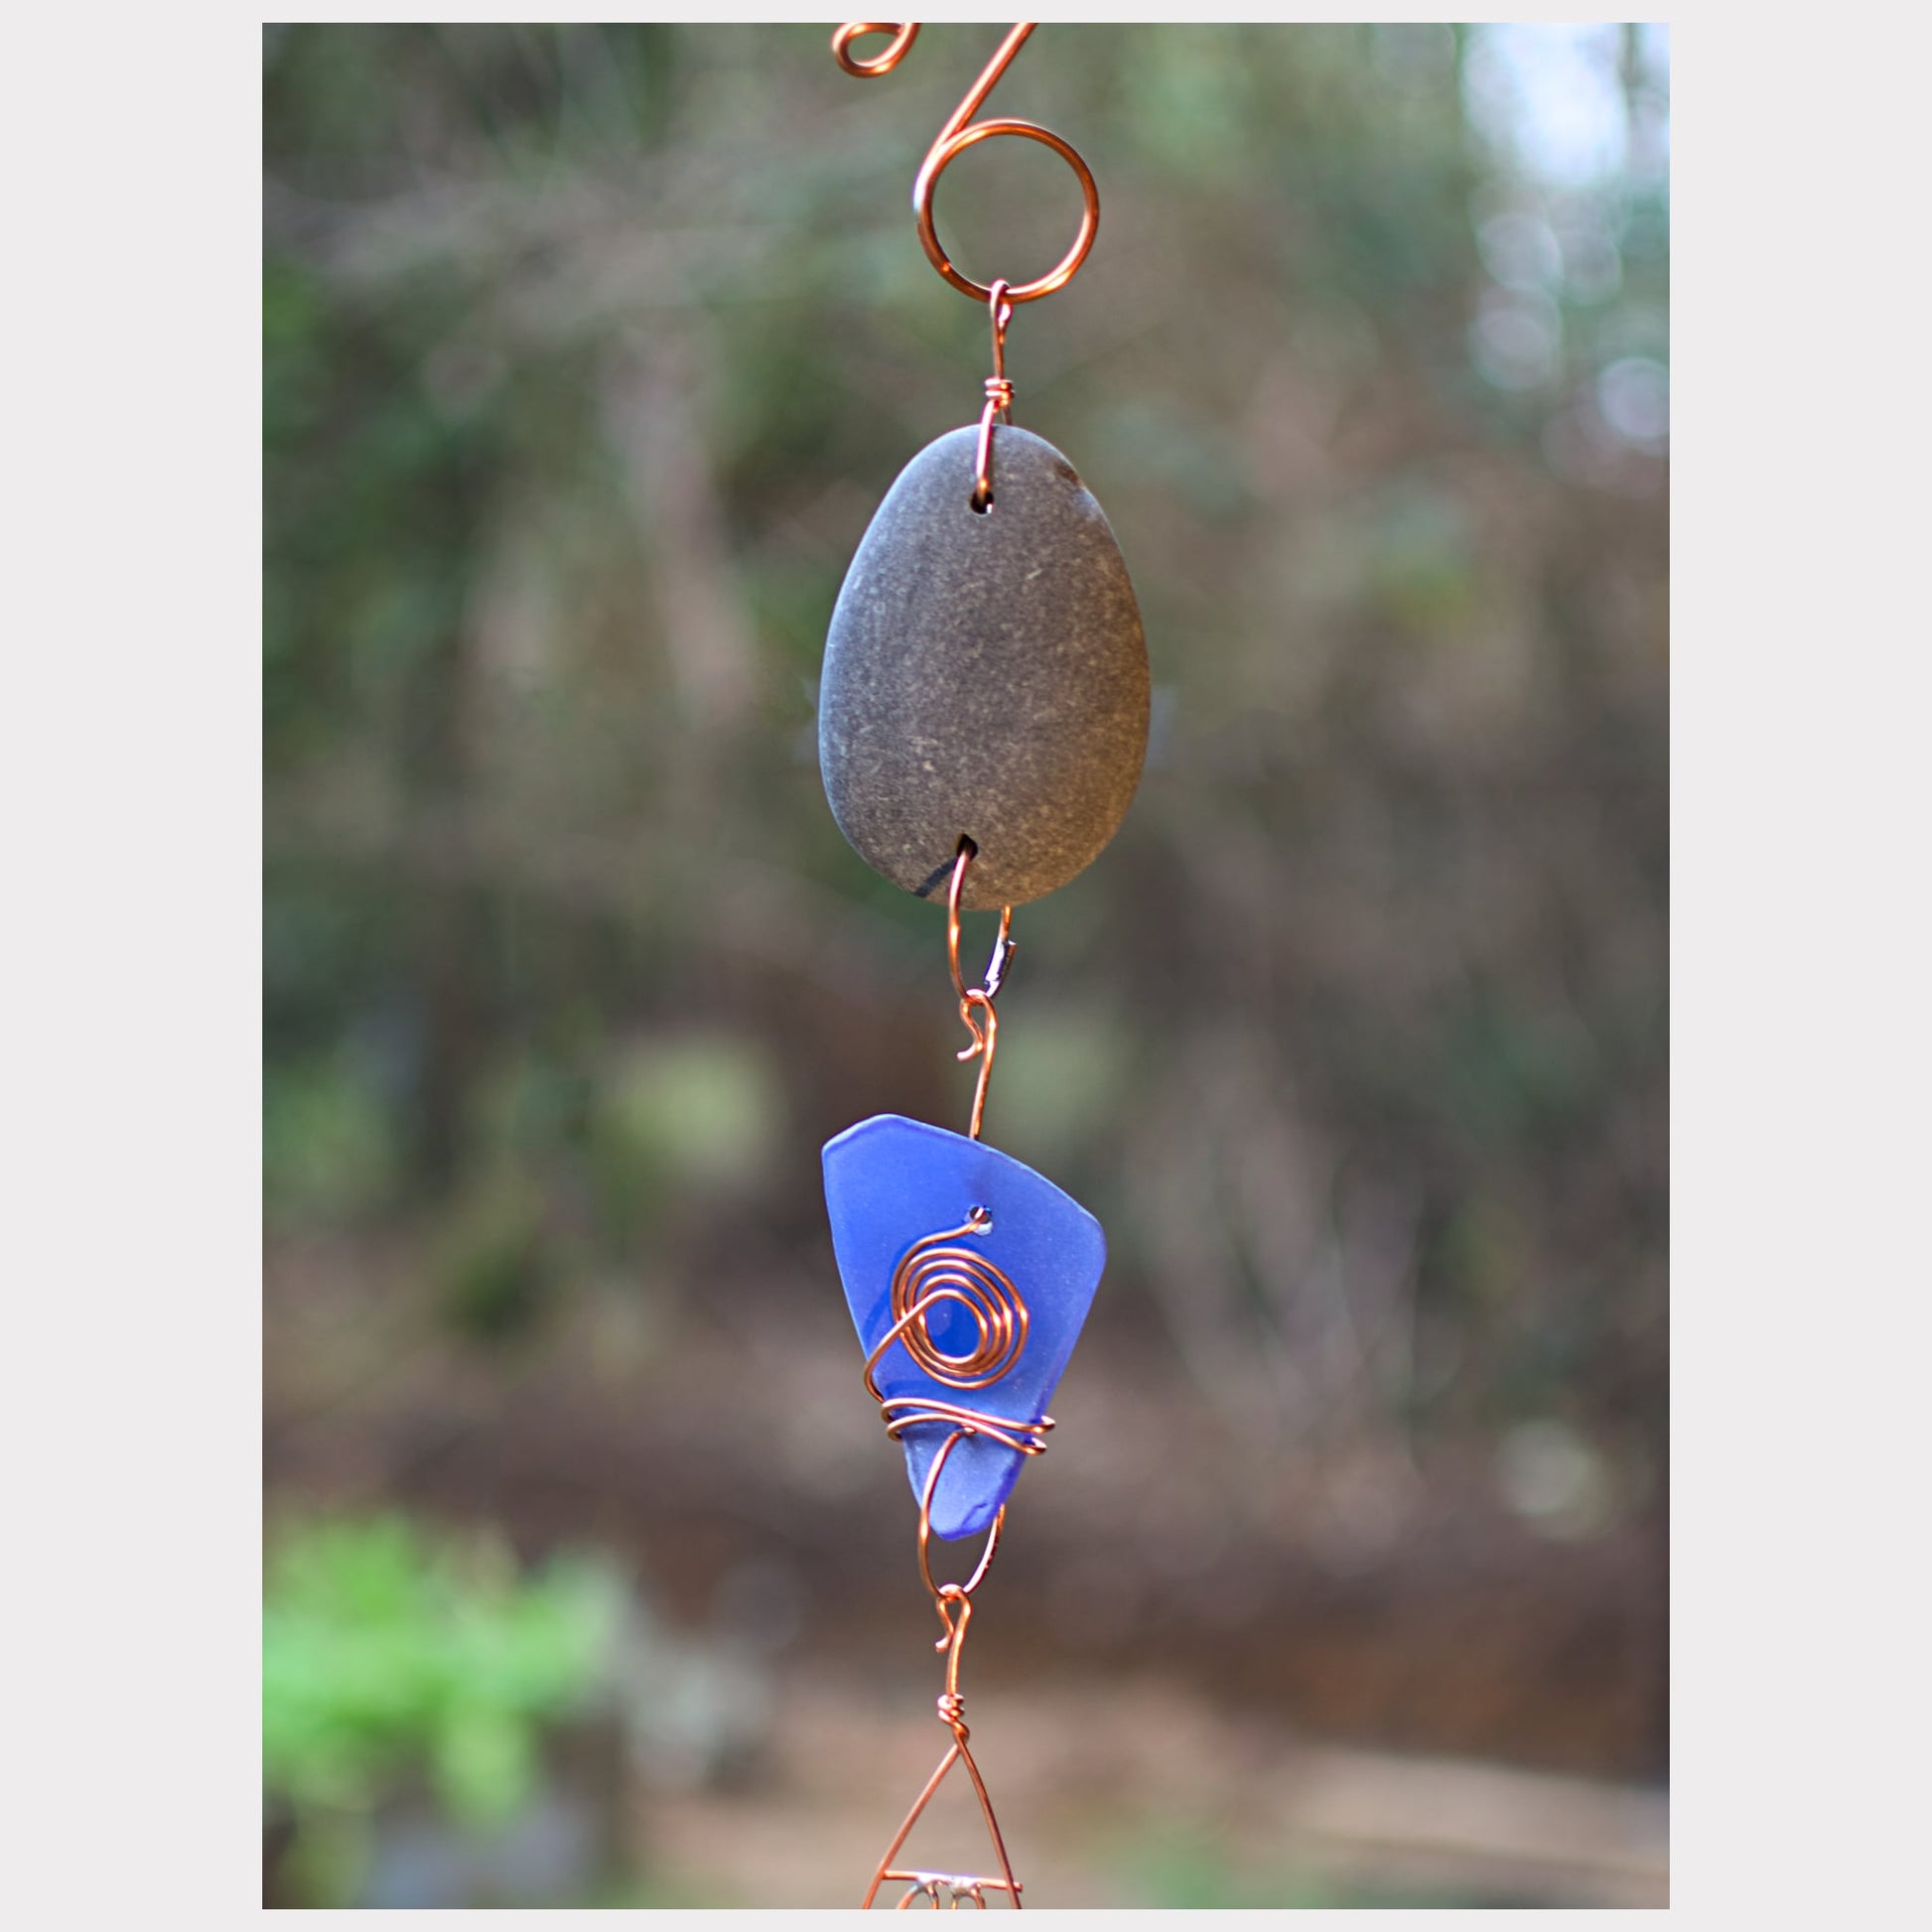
[985, 675]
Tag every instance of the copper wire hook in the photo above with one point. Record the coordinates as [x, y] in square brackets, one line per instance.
[961, 132]
[977, 1000]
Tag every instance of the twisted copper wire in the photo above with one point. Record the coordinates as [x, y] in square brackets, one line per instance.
[999, 400]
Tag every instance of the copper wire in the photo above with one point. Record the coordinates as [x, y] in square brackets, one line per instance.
[935, 1273]
[959, 133]
[962, 132]
[941, 1271]
[976, 1003]
[954, 1603]
[999, 399]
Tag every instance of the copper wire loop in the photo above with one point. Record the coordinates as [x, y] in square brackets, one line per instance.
[976, 1003]
[883, 62]
[957, 136]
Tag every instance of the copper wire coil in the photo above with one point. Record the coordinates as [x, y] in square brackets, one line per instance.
[940, 1271]
[934, 1273]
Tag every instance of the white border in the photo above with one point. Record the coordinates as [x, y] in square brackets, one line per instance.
[132, 788]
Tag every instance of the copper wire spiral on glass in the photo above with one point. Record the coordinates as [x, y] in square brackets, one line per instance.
[936, 1272]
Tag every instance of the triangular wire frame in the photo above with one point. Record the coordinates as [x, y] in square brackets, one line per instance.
[958, 1885]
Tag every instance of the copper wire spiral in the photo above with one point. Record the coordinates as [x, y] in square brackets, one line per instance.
[938, 1272]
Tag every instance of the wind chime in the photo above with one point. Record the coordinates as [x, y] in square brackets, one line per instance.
[982, 717]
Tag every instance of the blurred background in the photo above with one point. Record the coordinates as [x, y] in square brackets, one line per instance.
[589, 352]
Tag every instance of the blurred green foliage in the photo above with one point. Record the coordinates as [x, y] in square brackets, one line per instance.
[392, 1652]
[328, 1140]
[698, 1117]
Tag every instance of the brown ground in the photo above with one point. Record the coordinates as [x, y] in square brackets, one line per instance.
[1191, 1681]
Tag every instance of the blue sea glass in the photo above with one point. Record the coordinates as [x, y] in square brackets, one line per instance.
[888, 1184]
